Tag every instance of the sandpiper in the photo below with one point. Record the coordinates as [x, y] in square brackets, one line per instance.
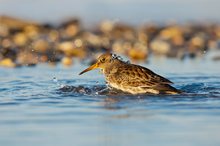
[131, 78]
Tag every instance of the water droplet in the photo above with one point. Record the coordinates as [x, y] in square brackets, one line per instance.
[58, 83]
[55, 79]
[62, 86]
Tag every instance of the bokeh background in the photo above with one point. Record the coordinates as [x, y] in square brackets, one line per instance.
[54, 31]
[93, 11]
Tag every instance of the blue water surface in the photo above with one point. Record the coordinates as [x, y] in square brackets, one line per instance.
[53, 106]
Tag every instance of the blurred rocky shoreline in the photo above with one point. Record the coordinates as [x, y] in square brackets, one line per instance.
[26, 43]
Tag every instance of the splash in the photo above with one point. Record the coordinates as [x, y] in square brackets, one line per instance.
[114, 56]
[58, 83]
[87, 90]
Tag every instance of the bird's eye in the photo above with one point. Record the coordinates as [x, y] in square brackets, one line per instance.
[102, 60]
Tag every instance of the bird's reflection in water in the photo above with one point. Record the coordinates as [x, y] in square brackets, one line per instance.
[126, 113]
[111, 103]
[121, 115]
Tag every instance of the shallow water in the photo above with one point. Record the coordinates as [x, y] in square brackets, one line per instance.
[52, 105]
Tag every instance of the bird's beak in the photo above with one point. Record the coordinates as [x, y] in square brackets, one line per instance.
[94, 66]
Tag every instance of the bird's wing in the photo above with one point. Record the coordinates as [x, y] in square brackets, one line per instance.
[153, 76]
[138, 76]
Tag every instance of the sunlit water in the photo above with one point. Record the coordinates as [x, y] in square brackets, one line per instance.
[53, 106]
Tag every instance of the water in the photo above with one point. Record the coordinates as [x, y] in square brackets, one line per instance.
[53, 106]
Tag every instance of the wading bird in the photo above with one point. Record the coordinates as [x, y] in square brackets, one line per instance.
[131, 78]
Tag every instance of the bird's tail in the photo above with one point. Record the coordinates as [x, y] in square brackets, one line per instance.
[167, 89]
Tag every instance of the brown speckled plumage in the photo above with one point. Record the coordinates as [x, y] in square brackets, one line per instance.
[131, 78]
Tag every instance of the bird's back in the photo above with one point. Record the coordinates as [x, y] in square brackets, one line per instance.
[136, 79]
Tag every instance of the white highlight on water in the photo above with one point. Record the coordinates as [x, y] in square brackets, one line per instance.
[55, 80]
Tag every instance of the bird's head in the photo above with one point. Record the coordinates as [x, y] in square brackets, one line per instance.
[102, 62]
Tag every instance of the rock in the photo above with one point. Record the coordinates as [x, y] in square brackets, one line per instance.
[7, 62]
[67, 61]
